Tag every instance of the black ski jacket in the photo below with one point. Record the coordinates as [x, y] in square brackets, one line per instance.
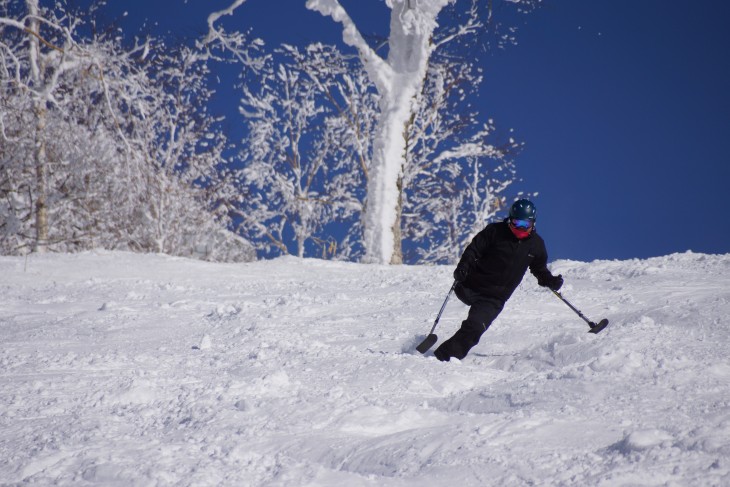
[496, 261]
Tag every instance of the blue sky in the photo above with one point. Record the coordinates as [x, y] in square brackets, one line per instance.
[623, 105]
[625, 109]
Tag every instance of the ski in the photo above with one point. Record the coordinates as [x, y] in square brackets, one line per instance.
[597, 327]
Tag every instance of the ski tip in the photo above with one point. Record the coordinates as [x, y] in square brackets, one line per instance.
[600, 326]
[427, 343]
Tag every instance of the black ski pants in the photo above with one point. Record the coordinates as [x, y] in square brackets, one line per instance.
[482, 312]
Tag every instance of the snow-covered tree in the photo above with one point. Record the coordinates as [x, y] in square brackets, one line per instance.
[172, 151]
[280, 168]
[457, 170]
[306, 152]
[355, 104]
[103, 145]
[455, 176]
[398, 78]
[43, 51]
[395, 171]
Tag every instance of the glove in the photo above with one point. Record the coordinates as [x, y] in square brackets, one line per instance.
[554, 282]
[460, 273]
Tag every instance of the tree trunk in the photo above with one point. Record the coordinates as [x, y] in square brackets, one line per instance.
[41, 208]
[382, 218]
[39, 153]
[397, 257]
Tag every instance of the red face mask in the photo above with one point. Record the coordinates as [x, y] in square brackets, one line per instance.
[520, 234]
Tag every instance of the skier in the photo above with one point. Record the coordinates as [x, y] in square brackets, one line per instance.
[490, 269]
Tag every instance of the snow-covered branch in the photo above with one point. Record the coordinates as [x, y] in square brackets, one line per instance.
[380, 72]
[215, 16]
[243, 49]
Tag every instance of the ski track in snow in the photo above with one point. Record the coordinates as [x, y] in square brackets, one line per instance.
[124, 369]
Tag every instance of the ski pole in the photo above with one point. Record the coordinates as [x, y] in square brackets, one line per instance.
[595, 327]
[429, 341]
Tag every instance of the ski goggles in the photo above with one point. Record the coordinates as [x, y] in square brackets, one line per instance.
[522, 224]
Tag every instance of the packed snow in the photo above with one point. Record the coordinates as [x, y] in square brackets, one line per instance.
[126, 369]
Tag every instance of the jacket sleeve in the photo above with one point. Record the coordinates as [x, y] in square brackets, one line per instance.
[476, 249]
[538, 267]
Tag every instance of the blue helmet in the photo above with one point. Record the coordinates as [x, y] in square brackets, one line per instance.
[523, 210]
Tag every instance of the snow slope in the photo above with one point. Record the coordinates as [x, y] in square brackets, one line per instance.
[123, 369]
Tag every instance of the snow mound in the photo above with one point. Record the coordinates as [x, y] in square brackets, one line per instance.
[644, 440]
